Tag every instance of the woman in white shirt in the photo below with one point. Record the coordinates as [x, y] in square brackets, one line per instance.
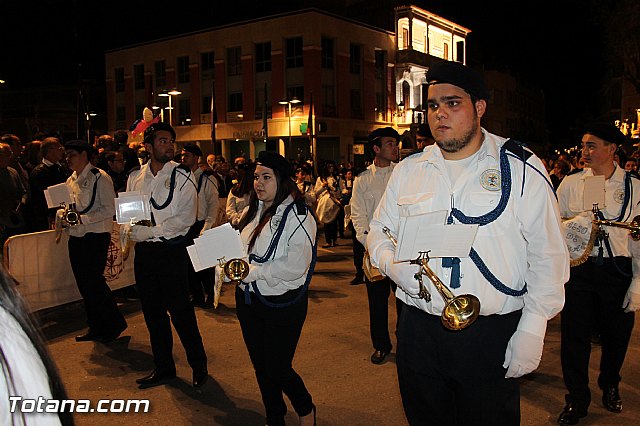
[238, 198]
[279, 233]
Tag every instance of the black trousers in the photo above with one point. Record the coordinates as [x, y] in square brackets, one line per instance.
[271, 336]
[202, 282]
[161, 272]
[358, 252]
[378, 294]
[456, 377]
[593, 298]
[88, 256]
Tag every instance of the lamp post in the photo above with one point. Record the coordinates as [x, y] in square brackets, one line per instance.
[170, 93]
[87, 116]
[289, 102]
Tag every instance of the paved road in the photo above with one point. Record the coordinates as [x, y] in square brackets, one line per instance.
[332, 357]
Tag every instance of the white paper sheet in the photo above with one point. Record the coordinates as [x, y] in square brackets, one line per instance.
[58, 194]
[593, 192]
[221, 242]
[421, 234]
[132, 207]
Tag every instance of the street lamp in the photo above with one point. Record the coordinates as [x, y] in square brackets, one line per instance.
[170, 93]
[87, 116]
[289, 102]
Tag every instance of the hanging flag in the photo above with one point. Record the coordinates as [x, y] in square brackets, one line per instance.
[265, 127]
[310, 119]
[214, 112]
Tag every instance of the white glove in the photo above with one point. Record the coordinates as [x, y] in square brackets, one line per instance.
[60, 223]
[141, 233]
[523, 355]
[398, 273]
[631, 302]
[253, 273]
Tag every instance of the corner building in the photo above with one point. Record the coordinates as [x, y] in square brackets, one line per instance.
[359, 77]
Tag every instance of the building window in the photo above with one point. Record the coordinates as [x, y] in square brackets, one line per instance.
[380, 106]
[329, 101]
[207, 65]
[405, 38]
[380, 64]
[446, 52]
[161, 73]
[234, 61]
[206, 104]
[138, 76]
[356, 103]
[263, 57]
[460, 51]
[184, 112]
[119, 77]
[355, 58]
[328, 53]
[183, 69]
[139, 110]
[120, 113]
[235, 102]
[294, 52]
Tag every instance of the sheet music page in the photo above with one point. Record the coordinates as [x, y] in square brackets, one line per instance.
[195, 260]
[217, 243]
[57, 194]
[132, 206]
[440, 240]
[593, 192]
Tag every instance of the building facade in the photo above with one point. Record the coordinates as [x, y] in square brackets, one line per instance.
[359, 77]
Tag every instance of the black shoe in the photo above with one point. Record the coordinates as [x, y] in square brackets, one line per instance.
[378, 357]
[108, 338]
[571, 415]
[357, 280]
[89, 336]
[155, 378]
[200, 377]
[611, 399]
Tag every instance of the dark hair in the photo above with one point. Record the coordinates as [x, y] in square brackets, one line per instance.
[286, 187]
[121, 137]
[12, 302]
[49, 143]
[245, 184]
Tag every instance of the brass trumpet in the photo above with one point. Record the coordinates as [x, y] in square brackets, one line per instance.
[235, 269]
[633, 226]
[459, 311]
[70, 215]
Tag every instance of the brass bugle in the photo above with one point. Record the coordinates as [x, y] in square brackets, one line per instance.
[459, 312]
[71, 215]
[235, 269]
[633, 226]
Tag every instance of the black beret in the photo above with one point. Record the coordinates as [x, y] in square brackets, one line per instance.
[383, 132]
[150, 132]
[192, 148]
[605, 131]
[459, 75]
[79, 145]
[275, 161]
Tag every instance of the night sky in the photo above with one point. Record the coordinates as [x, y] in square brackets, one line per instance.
[555, 45]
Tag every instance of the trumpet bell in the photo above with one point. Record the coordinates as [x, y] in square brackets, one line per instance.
[460, 312]
[236, 269]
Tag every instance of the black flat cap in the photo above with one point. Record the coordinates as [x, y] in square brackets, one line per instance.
[275, 161]
[459, 75]
[192, 148]
[79, 146]
[605, 131]
[383, 132]
[156, 127]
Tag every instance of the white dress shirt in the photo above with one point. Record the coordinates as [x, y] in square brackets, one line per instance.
[524, 245]
[288, 266]
[99, 218]
[176, 219]
[208, 199]
[571, 200]
[368, 189]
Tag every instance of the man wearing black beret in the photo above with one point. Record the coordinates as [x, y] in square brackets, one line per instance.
[461, 365]
[603, 291]
[89, 240]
